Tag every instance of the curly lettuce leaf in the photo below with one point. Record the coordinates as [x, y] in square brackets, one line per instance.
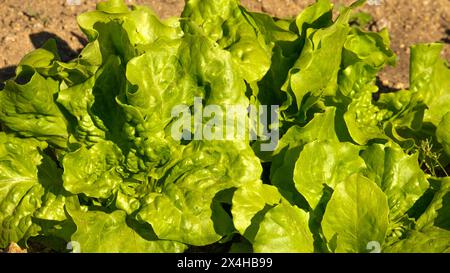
[27, 106]
[311, 74]
[47, 62]
[94, 113]
[122, 31]
[30, 189]
[100, 232]
[284, 47]
[94, 172]
[430, 77]
[406, 110]
[182, 210]
[364, 55]
[232, 28]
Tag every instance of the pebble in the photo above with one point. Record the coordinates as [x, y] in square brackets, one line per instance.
[9, 38]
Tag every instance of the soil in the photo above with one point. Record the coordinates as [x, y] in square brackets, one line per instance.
[27, 24]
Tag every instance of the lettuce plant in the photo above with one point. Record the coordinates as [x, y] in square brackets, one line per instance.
[87, 156]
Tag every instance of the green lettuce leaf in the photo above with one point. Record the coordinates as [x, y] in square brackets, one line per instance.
[285, 156]
[290, 224]
[316, 16]
[364, 54]
[182, 211]
[443, 133]
[29, 108]
[47, 62]
[430, 240]
[398, 175]
[432, 231]
[30, 189]
[110, 233]
[405, 124]
[122, 31]
[250, 199]
[95, 114]
[430, 77]
[325, 164]
[95, 172]
[356, 215]
[436, 213]
[311, 74]
[232, 28]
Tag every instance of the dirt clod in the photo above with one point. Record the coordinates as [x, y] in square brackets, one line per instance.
[14, 248]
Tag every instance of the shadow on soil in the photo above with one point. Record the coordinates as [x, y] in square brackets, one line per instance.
[65, 51]
[5, 74]
[446, 39]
